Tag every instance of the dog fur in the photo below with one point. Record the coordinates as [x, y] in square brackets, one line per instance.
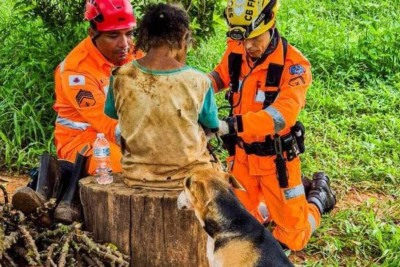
[236, 238]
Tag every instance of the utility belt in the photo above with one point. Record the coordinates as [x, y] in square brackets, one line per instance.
[267, 148]
[291, 143]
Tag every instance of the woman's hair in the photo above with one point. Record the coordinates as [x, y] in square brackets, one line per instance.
[162, 24]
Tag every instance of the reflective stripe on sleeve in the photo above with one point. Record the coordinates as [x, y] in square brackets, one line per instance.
[72, 124]
[279, 121]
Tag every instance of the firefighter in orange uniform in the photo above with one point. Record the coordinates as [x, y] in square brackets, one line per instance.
[82, 80]
[268, 80]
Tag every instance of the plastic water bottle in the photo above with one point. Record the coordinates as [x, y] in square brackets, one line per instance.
[102, 158]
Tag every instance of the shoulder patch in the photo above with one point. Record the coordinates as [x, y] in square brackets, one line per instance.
[297, 81]
[75, 80]
[296, 69]
[85, 99]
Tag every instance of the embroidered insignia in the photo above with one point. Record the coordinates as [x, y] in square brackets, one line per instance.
[75, 80]
[297, 81]
[296, 70]
[85, 99]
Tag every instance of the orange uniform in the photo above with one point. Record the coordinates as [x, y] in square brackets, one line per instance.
[268, 101]
[81, 84]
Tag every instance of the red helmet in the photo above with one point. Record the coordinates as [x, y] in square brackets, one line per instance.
[110, 15]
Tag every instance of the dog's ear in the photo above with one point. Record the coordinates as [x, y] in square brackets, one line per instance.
[235, 183]
[196, 188]
[188, 182]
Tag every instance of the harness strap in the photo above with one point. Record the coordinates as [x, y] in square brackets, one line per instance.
[234, 67]
[273, 77]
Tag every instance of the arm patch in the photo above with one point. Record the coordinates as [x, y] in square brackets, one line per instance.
[297, 81]
[297, 69]
[75, 80]
[85, 99]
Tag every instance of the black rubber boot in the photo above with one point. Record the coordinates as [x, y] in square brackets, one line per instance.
[70, 209]
[66, 169]
[44, 185]
[49, 177]
[321, 193]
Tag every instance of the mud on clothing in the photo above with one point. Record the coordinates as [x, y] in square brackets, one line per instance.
[81, 84]
[160, 115]
[286, 77]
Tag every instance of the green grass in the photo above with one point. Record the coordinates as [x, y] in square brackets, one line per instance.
[351, 116]
[352, 121]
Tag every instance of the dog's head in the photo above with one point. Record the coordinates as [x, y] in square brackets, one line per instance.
[202, 187]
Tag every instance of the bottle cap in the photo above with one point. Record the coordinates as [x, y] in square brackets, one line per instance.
[100, 135]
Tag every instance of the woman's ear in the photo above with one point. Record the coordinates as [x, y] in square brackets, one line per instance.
[187, 38]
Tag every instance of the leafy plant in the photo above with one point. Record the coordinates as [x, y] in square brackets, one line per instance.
[59, 16]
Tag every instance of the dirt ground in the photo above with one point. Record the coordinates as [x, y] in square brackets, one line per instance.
[11, 183]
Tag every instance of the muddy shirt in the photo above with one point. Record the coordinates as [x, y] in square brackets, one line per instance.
[160, 114]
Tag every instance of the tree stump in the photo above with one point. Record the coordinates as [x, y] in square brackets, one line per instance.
[144, 224]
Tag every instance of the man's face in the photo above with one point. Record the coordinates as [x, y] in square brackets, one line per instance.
[114, 45]
[256, 46]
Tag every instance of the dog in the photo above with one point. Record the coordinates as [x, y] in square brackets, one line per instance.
[235, 237]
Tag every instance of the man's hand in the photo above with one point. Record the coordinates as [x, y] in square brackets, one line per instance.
[223, 128]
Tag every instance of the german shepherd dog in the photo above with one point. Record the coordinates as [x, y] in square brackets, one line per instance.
[235, 237]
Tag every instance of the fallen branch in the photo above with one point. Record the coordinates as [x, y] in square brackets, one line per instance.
[64, 250]
[104, 255]
[49, 259]
[10, 240]
[30, 244]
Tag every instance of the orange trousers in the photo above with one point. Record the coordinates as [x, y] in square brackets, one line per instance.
[288, 208]
[68, 151]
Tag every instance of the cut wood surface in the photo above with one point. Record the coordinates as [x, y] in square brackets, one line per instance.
[144, 224]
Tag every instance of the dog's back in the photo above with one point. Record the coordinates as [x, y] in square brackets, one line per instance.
[243, 241]
[239, 239]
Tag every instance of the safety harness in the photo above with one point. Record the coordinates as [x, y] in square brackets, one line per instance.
[273, 77]
[291, 143]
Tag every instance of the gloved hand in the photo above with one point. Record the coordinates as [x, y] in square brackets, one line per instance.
[223, 128]
[228, 126]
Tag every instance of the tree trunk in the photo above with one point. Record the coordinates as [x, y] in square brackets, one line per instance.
[144, 224]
